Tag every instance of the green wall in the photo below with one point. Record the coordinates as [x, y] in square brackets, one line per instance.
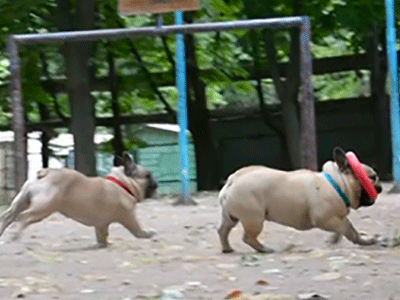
[164, 163]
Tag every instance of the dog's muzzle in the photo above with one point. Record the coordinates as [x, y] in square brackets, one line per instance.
[378, 188]
[151, 188]
[365, 200]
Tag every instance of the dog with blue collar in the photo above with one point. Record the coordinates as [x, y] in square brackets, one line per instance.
[301, 199]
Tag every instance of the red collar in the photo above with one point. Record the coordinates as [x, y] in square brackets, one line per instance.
[120, 183]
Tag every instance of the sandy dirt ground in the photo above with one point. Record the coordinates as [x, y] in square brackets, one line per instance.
[55, 259]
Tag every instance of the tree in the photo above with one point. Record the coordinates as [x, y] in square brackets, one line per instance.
[286, 88]
[359, 24]
[80, 16]
[368, 27]
[71, 15]
[199, 117]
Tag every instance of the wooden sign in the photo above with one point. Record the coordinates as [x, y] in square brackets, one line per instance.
[155, 6]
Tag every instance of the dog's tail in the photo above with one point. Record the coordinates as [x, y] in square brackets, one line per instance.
[227, 183]
[223, 198]
[42, 173]
[19, 204]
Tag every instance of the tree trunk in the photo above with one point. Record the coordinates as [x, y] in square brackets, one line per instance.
[265, 115]
[287, 92]
[77, 56]
[82, 108]
[199, 119]
[45, 138]
[117, 141]
[381, 106]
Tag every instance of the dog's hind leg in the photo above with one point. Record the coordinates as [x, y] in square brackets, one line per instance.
[102, 235]
[40, 208]
[252, 228]
[227, 224]
[7, 218]
[20, 203]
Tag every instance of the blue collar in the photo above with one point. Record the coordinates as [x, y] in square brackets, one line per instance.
[337, 188]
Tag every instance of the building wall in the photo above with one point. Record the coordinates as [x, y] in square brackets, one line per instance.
[153, 136]
[164, 163]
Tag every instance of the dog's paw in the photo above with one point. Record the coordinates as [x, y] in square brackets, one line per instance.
[371, 241]
[230, 250]
[266, 250]
[368, 241]
[102, 245]
[149, 233]
[15, 237]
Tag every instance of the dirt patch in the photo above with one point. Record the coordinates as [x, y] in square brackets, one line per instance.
[55, 259]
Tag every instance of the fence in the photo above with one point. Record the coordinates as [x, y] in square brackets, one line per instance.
[6, 172]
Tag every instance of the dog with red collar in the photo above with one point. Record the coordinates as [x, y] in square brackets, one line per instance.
[92, 201]
[301, 199]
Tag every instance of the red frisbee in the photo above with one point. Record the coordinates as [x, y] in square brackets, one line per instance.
[361, 175]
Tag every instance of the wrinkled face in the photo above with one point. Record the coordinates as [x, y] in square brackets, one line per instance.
[343, 164]
[141, 174]
[344, 167]
[138, 173]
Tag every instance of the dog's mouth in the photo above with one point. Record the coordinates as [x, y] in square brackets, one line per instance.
[150, 193]
[151, 190]
[378, 188]
[365, 199]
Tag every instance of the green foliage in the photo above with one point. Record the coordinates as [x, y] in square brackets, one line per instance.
[139, 102]
[5, 115]
[228, 9]
[4, 69]
[341, 85]
[243, 94]
[338, 27]
[330, 46]
[24, 16]
[132, 144]
[33, 90]
[64, 105]
[214, 96]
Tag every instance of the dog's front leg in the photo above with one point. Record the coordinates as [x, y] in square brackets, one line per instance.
[102, 235]
[352, 234]
[335, 238]
[344, 227]
[130, 222]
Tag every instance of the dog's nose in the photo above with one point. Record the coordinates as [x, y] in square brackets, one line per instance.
[154, 184]
[378, 188]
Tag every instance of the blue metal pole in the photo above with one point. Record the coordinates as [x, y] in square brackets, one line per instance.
[394, 88]
[182, 112]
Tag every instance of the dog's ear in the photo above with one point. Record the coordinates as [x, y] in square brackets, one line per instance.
[129, 164]
[339, 156]
[118, 161]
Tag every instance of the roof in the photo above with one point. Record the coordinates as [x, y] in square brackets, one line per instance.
[166, 127]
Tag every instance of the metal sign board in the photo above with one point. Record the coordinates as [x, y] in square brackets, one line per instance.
[155, 6]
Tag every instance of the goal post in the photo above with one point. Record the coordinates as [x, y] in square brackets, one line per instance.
[308, 145]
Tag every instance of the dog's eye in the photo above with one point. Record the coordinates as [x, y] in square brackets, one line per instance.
[373, 178]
